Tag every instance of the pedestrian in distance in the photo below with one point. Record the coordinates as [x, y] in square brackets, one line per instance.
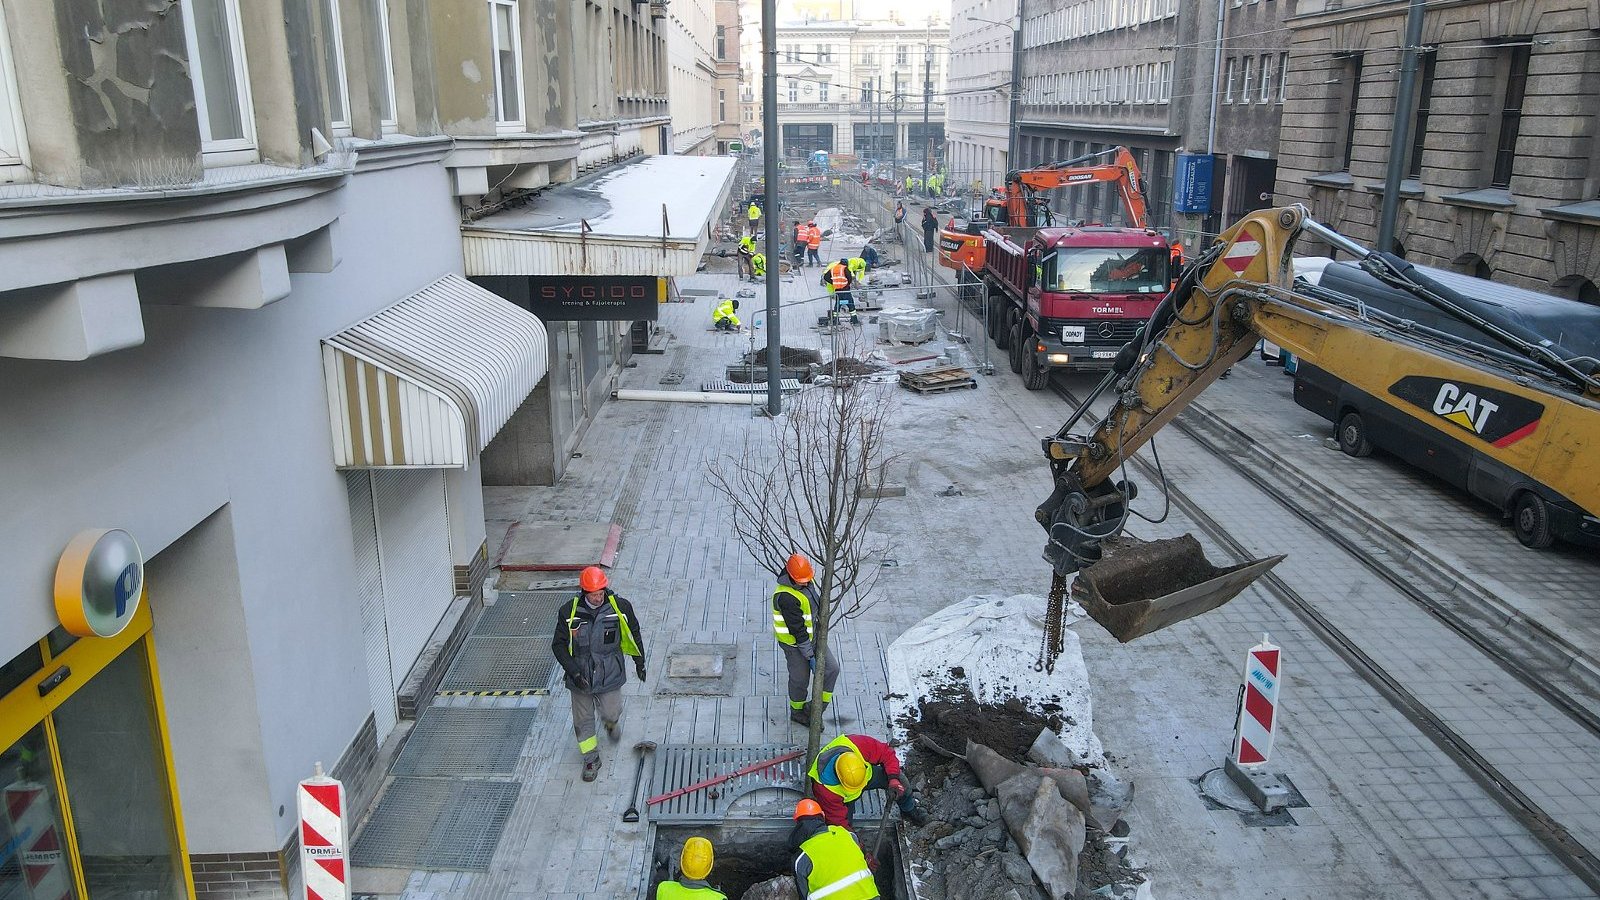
[813, 244]
[595, 634]
[694, 864]
[930, 228]
[899, 211]
[849, 766]
[828, 862]
[793, 600]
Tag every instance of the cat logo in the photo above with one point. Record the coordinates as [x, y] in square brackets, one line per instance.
[1495, 416]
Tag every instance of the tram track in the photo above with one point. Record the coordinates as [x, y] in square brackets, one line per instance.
[1526, 810]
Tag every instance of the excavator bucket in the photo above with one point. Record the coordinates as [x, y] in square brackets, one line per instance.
[1138, 587]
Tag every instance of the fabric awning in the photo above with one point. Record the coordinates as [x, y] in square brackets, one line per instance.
[430, 380]
[649, 216]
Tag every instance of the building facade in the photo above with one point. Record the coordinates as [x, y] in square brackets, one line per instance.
[726, 52]
[1502, 172]
[691, 59]
[978, 103]
[863, 88]
[236, 325]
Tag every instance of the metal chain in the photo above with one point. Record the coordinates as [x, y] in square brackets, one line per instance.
[1053, 641]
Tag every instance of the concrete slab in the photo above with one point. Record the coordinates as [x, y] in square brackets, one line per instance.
[533, 546]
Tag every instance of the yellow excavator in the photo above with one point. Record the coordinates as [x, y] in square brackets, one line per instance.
[1526, 412]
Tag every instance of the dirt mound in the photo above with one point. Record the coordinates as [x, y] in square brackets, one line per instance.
[952, 716]
[787, 356]
[850, 366]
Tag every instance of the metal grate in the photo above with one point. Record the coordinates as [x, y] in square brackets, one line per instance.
[436, 823]
[465, 741]
[724, 386]
[521, 614]
[678, 766]
[497, 664]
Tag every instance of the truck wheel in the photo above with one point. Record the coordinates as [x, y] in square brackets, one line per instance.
[1002, 337]
[1530, 519]
[1018, 348]
[1353, 435]
[1036, 376]
[992, 321]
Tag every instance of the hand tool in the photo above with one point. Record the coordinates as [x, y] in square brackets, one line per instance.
[644, 749]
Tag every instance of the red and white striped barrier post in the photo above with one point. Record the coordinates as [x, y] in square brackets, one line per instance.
[1257, 721]
[39, 844]
[322, 838]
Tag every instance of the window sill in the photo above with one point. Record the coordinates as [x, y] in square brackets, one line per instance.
[1586, 212]
[1410, 189]
[223, 157]
[1341, 181]
[1494, 199]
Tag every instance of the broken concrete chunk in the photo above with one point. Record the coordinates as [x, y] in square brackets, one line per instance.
[993, 769]
[1109, 798]
[1049, 830]
[1016, 869]
[1047, 750]
[780, 888]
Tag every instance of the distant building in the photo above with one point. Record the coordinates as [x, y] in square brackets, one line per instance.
[692, 73]
[726, 55]
[978, 102]
[1502, 173]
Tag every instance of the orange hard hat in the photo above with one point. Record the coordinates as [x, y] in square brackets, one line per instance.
[799, 568]
[592, 578]
[807, 807]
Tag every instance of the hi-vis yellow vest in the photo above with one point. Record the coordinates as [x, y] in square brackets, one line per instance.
[839, 790]
[838, 869]
[780, 628]
[629, 646]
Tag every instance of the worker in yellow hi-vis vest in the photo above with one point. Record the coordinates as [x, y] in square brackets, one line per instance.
[595, 634]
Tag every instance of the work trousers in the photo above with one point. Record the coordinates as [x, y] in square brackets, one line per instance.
[584, 705]
[812, 259]
[800, 676]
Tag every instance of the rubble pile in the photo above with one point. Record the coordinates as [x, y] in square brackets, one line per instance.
[787, 356]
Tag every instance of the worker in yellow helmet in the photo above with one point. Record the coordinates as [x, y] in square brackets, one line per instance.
[694, 864]
[849, 766]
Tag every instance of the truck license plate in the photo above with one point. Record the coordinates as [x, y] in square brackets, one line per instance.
[1072, 334]
[1105, 354]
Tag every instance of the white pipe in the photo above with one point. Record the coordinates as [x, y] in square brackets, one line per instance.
[683, 397]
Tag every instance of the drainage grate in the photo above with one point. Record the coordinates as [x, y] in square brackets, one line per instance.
[500, 666]
[724, 386]
[436, 823]
[521, 614]
[679, 766]
[464, 741]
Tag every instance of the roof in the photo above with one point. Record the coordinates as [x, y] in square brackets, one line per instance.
[430, 380]
[648, 216]
[1100, 236]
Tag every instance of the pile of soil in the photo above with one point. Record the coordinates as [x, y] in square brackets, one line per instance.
[850, 366]
[787, 356]
[951, 716]
[1133, 570]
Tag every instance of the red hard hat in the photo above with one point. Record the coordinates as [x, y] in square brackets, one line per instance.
[592, 579]
[799, 568]
[807, 807]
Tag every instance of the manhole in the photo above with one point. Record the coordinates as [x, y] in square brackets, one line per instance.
[460, 741]
[436, 823]
[750, 852]
[679, 766]
[500, 666]
[700, 670]
[521, 614]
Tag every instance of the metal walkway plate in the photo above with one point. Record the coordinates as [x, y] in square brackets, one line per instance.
[500, 666]
[680, 765]
[724, 386]
[446, 824]
[521, 614]
[465, 741]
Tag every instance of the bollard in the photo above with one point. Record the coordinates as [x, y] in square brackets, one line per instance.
[323, 865]
[1257, 720]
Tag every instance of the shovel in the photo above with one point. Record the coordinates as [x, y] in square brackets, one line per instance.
[1138, 587]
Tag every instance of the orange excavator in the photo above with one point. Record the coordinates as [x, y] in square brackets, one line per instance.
[1019, 204]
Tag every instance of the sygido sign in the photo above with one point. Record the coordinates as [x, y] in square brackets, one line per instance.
[586, 298]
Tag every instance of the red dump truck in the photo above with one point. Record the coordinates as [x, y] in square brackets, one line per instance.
[1070, 298]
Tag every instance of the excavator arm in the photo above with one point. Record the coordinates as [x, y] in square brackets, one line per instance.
[1239, 291]
[1123, 171]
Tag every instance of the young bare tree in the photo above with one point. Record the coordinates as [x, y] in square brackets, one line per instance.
[811, 485]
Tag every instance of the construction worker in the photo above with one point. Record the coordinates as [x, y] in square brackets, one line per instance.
[899, 212]
[594, 634]
[747, 249]
[792, 602]
[694, 864]
[754, 215]
[798, 243]
[837, 278]
[813, 244]
[858, 269]
[852, 764]
[869, 253]
[722, 315]
[828, 861]
[758, 266]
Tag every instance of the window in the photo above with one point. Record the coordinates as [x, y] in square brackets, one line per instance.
[1514, 85]
[868, 58]
[1283, 76]
[866, 91]
[503, 26]
[822, 91]
[824, 53]
[379, 16]
[900, 55]
[13, 143]
[1244, 94]
[794, 90]
[722, 42]
[1266, 78]
[1227, 96]
[722, 106]
[221, 91]
[336, 88]
[1352, 76]
[1419, 125]
[1166, 82]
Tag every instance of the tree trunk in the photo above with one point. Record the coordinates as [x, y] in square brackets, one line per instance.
[819, 668]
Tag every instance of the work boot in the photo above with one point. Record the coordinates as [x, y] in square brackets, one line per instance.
[801, 716]
[614, 731]
[591, 769]
[914, 814]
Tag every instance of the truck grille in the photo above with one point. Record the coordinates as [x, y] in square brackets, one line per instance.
[1100, 331]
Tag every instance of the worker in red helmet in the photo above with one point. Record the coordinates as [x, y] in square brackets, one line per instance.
[828, 862]
[595, 634]
[792, 602]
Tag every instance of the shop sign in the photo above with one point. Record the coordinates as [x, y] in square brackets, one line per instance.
[588, 298]
[1191, 190]
[99, 580]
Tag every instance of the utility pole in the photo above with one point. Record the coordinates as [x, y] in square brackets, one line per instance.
[927, 100]
[769, 168]
[1012, 133]
[894, 138]
[1400, 134]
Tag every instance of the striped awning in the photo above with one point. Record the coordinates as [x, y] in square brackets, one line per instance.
[429, 381]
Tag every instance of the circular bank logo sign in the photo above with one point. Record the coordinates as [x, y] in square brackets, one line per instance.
[98, 582]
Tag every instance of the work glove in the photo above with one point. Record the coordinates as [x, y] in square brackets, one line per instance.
[638, 667]
[807, 649]
[897, 788]
[580, 682]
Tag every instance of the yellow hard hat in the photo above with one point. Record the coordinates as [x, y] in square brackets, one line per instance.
[695, 860]
[852, 770]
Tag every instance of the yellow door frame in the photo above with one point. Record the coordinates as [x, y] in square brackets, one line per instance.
[32, 703]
